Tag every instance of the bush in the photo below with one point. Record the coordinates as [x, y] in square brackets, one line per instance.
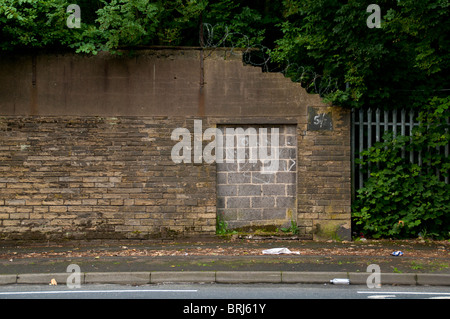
[402, 199]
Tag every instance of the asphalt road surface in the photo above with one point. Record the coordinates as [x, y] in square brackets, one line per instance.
[223, 292]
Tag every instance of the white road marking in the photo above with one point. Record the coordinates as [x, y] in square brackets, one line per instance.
[91, 291]
[381, 296]
[405, 293]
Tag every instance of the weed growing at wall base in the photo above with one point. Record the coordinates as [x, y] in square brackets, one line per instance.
[222, 226]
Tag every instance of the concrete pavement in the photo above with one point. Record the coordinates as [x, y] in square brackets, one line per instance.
[184, 261]
[228, 277]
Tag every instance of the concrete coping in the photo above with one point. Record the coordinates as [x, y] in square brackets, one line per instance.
[229, 277]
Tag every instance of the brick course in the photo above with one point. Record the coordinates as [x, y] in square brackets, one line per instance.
[90, 182]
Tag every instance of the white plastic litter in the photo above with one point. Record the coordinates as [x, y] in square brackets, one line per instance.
[278, 251]
[397, 253]
[340, 281]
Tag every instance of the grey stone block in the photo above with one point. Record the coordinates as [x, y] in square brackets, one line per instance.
[286, 177]
[238, 202]
[385, 278]
[226, 190]
[229, 214]
[220, 202]
[358, 278]
[8, 279]
[291, 130]
[285, 202]
[288, 153]
[226, 167]
[249, 190]
[263, 202]
[291, 140]
[433, 279]
[238, 178]
[398, 279]
[248, 167]
[221, 178]
[311, 277]
[184, 276]
[61, 278]
[139, 278]
[291, 190]
[260, 178]
[248, 276]
[249, 214]
[274, 213]
[273, 189]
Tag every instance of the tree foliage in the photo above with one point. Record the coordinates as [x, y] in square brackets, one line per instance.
[118, 24]
[398, 65]
[33, 24]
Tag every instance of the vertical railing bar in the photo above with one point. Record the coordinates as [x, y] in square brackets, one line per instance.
[386, 120]
[361, 145]
[446, 151]
[394, 122]
[369, 135]
[377, 129]
[377, 122]
[386, 123]
[438, 173]
[438, 152]
[403, 121]
[369, 128]
[411, 126]
[403, 128]
[420, 152]
[352, 152]
[428, 151]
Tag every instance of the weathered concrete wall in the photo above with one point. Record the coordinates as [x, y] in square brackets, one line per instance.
[152, 83]
[85, 144]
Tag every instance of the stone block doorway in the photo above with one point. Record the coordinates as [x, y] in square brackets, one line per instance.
[258, 191]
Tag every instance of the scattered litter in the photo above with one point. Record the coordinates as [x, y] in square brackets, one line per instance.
[397, 253]
[340, 281]
[277, 251]
[53, 282]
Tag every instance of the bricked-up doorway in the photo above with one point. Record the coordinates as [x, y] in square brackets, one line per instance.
[249, 196]
[91, 157]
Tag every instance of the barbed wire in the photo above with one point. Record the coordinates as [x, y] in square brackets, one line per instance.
[259, 55]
